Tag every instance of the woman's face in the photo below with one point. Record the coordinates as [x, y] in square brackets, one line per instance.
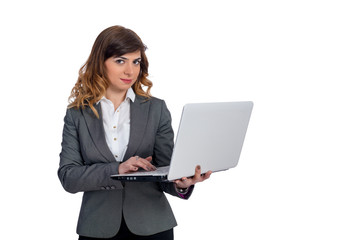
[123, 71]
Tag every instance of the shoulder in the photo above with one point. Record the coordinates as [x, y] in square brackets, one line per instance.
[156, 105]
[75, 114]
[151, 100]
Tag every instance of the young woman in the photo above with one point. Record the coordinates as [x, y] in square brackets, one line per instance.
[113, 126]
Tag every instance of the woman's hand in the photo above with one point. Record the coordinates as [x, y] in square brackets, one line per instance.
[187, 182]
[134, 163]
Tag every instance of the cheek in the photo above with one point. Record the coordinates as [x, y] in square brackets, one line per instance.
[108, 72]
[113, 71]
[138, 70]
[111, 77]
[113, 74]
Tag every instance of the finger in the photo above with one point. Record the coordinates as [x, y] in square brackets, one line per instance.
[137, 158]
[183, 183]
[130, 168]
[140, 164]
[133, 169]
[197, 176]
[178, 183]
[198, 170]
[145, 164]
[207, 175]
[149, 165]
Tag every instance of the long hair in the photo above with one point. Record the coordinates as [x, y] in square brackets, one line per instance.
[93, 82]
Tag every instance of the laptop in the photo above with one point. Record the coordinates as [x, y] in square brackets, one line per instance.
[210, 135]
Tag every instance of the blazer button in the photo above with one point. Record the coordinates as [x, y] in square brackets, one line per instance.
[107, 188]
[102, 188]
[113, 187]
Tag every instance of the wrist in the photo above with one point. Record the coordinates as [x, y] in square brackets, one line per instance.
[120, 170]
[181, 190]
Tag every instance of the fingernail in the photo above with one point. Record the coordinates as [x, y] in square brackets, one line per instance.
[198, 167]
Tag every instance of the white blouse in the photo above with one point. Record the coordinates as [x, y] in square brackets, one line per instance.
[117, 124]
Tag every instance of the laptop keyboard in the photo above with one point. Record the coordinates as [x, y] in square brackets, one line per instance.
[159, 171]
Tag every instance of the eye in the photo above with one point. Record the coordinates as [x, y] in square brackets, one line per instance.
[137, 61]
[119, 61]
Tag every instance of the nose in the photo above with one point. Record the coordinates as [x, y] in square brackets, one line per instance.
[129, 69]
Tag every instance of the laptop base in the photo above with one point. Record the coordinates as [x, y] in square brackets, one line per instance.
[140, 178]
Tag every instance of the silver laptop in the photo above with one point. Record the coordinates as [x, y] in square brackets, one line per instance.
[210, 135]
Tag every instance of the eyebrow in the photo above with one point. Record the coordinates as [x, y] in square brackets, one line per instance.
[124, 58]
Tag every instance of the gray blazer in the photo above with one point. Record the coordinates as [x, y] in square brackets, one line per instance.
[86, 164]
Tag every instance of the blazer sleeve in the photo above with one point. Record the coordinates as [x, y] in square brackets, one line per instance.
[164, 144]
[75, 176]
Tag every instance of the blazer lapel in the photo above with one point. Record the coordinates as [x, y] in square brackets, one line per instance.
[139, 112]
[97, 132]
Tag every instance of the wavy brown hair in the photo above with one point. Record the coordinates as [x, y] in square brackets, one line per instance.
[92, 82]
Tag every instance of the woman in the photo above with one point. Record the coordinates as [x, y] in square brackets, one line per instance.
[113, 126]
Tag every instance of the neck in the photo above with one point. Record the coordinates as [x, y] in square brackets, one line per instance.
[115, 97]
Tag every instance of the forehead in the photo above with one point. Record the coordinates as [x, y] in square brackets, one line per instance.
[132, 55]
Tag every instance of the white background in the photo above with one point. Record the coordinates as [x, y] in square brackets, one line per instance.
[298, 175]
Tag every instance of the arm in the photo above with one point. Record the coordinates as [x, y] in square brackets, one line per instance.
[74, 174]
[164, 144]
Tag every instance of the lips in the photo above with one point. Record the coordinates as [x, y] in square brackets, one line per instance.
[127, 81]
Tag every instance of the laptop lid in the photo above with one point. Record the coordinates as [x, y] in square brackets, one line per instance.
[210, 135]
